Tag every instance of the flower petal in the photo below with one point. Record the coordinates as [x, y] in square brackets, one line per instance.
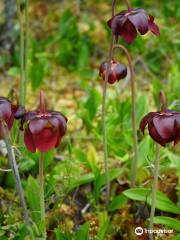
[121, 71]
[145, 120]
[154, 134]
[112, 77]
[46, 139]
[116, 23]
[140, 20]
[28, 140]
[62, 122]
[5, 110]
[128, 32]
[152, 26]
[165, 126]
[30, 115]
[37, 125]
[1, 133]
[54, 122]
[20, 112]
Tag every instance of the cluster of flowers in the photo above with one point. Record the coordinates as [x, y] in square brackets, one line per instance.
[163, 126]
[43, 129]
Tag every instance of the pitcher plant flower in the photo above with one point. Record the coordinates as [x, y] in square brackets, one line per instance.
[43, 129]
[8, 111]
[117, 71]
[128, 22]
[163, 126]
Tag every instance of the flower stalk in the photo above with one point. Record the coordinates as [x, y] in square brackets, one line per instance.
[128, 4]
[42, 204]
[162, 99]
[133, 97]
[15, 171]
[42, 102]
[104, 113]
[41, 175]
[154, 191]
[23, 21]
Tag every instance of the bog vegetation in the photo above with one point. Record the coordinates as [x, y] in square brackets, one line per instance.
[89, 120]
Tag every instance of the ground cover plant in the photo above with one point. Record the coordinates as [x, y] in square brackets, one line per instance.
[80, 83]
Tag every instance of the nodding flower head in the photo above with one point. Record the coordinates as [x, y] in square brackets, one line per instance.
[163, 126]
[127, 22]
[7, 113]
[117, 71]
[43, 129]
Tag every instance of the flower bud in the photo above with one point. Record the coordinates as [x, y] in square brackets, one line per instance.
[117, 71]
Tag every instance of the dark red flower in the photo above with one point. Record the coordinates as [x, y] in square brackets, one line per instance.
[43, 129]
[164, 127]
[7, 113]
[117, 71]
[127, 22]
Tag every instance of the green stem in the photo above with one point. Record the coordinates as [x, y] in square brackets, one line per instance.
[154, 190]
[162, 99]
[23, 21]
[42, 204]
[26, 33]
[133, 97]
[104, 114]
[15, 171]
[104, 124]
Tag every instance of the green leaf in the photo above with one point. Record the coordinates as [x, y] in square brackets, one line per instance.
[143, 150]
[143, 107]
[83, 232]
[37, 73]
[174, 158]
[117, 202]
[84, 179]
[177, 237]
[163, 203]
[59, 235]
[93, 101]
[113, 173]
[104, 223]
[32, 194]
[93, 159]
[48, 158]
[169, 222]
[101, 180]
[83, 58]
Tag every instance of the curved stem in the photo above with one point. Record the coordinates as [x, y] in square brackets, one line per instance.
[15, 171]
[42, 204]
[162, 99]
[128, 4]
[42, 102]
[113, 8]
[104, 113]
[135, 162]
